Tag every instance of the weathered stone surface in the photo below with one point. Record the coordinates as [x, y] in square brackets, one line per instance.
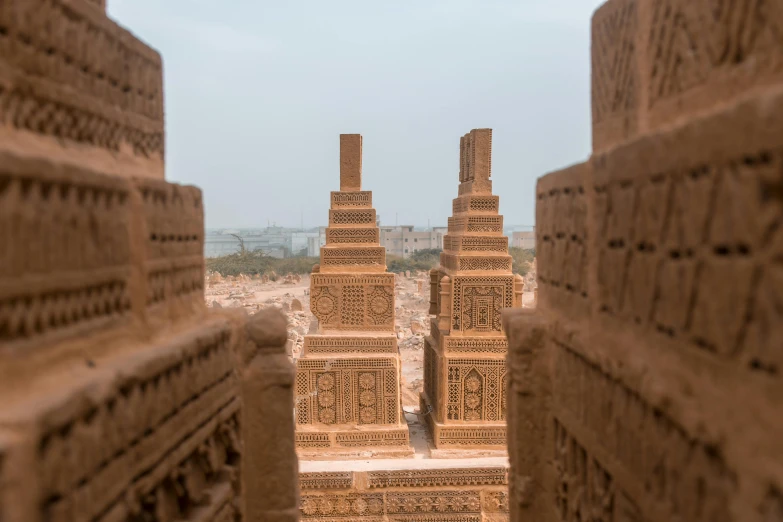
[348, 379]
[656, 329]
[121, 396]
[660, 62]
[465, 493]
[464, 357]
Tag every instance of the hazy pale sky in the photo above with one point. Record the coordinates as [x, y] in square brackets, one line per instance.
[257, 93]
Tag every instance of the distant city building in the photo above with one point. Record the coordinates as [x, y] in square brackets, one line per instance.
[400, 241]
[403, 240]
[525, 240]
[273, 241]
[315, 242]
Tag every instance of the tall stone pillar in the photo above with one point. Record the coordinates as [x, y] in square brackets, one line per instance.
[464, 359]
[348, 378]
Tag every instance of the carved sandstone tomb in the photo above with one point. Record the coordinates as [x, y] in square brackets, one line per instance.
[464, 357]
[405, 490]
[647, 384]
[348, 378]
[121, 397]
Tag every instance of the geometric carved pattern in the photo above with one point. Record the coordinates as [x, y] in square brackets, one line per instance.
[352, 296]
[190, 390]
[668, 237]
[84, 283]
[696, 45]
[444, 502]
[479, 300]
[352, 235]
[423, 500]
[475, 345]
[484, 203]
[349, 506]
[438, 477]
[352, 199]
[112, 98]
[469, 306]
[325, 304]
[583, 489]
[326, 480]
[380, 305]
[365, 216]
[346, 391]
[470, 223]
[475, 243]
[475, 390]
[483, 263]
[614, 90]
[175, 230]
[332, 344]
[593, 403]
[487, 204]
[561, 237]
[369, 255]
[79, 272]
[353, 302]
[478, 436]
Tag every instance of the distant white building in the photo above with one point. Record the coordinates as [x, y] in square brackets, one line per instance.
[273, 241]
[525, 240]
[315, 242]
[403, 240]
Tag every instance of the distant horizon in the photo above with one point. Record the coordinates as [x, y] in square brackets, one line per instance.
[298, 227]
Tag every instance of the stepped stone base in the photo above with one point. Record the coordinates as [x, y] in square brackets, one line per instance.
[405, 490]
[351, 442]
[488, 438]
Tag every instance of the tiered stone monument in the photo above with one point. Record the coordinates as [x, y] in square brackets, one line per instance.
[464, 357]
[348, 378]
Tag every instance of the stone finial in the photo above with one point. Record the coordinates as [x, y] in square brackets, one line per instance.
[481, 157]
[350, 162]
[476, 162]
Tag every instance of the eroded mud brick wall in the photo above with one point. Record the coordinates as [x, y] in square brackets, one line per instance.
[650, 375]
[121, 398]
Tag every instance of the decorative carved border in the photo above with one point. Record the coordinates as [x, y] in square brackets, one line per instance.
[438, 477]
[475, 344]
[323, 345]
[326, 480]
[352, 217]
[351, 199]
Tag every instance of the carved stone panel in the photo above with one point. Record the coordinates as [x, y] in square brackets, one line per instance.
[478, 301]
[348, 391]
[353, 302]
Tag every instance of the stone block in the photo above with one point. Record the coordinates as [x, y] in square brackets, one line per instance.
[350, 162]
